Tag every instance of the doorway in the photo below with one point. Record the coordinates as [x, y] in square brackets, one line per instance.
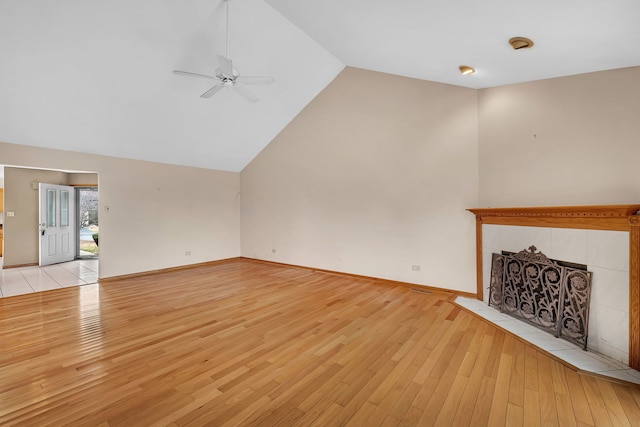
[87, 246]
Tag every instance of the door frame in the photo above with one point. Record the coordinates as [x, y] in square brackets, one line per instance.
[77, 207]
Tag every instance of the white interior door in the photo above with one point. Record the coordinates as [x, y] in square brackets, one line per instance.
[57, 226]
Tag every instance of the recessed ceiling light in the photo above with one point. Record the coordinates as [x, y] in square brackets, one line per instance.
[518, 43]
[465, 69]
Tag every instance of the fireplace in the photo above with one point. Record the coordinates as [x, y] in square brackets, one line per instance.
[606, 238]
[548, 294]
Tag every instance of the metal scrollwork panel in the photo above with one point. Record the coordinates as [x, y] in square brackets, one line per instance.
[495, 285]
[575, 307]
[531, 292]
[550, 287]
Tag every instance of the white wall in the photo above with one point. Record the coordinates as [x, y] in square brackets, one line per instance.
[606, 255]
[371, 178]
[156, 213]
[565, 141]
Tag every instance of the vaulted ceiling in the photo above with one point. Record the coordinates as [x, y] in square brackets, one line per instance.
[95, 76]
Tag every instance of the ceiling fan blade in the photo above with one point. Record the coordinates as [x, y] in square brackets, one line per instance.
[245, 93]
[225, 66]
[255, 80]
[187, 73]
[208, 94]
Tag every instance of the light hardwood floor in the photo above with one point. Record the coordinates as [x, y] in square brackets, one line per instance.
[249, 343]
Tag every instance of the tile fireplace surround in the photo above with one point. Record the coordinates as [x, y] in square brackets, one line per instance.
[606, 238]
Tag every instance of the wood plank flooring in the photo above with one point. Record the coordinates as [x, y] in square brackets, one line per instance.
[249, 343]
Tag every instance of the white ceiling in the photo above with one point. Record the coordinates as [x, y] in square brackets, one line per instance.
[429, 39]
[95, 76]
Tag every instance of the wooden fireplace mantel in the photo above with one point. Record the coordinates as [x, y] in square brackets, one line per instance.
[596, 217]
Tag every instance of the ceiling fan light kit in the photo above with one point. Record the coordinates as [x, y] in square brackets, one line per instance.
[226, 75]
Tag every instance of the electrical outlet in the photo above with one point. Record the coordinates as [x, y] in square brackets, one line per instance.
[415, 268]
[187, 253]
[11, 214]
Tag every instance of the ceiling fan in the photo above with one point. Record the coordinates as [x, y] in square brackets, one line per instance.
[226, 75]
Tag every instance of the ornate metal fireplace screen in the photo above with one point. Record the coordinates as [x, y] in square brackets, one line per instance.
[533, 288]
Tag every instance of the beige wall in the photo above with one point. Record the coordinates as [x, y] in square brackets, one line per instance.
[80, 179]
[372, 177]
[156, 213]
[566, 141]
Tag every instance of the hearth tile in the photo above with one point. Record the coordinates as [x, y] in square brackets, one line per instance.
[517, 327]
[610, 288]
[492, 314]
[487, 256]
[608, 328]
[548, 342]
[491, 236]
[608, 360]
[608, 249]
[516, 239]
[632, 372]
[483, 310]
[587, 361]
[615, 354]
[568, 245]
[625, 375]
[470, 303]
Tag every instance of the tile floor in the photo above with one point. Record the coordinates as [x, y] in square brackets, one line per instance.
[571, 353]
[27, 280]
